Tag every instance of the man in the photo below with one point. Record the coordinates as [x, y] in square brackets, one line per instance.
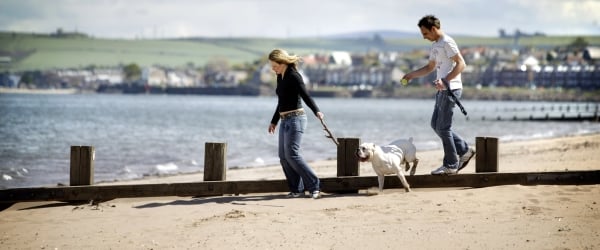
[445, 58]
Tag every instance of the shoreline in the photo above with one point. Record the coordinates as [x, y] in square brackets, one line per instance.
[414, 92]
[67, 91]
[429, 160]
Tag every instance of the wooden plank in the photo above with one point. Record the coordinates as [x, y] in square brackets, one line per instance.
[486, 154]
[479, 154]
[348, 164]
[82, 165]
[491, 154]
[333, 185]
[87, 155]
[341, 157]
[74, 169]
[215, 163]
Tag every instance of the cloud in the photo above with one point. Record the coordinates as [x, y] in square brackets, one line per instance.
[272, 18]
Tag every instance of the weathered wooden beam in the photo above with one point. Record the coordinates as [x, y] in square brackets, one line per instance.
[332, 185]
[82, 165]
[215, 161]
[486, 154]
[347, 161]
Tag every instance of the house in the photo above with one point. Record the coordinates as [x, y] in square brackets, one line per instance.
[153, 76]
[340, 58]
[110, 76]
[592, 54]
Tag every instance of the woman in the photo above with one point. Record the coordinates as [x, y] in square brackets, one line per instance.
[290, 89]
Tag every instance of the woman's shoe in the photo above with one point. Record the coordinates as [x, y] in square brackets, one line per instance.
[294, 195]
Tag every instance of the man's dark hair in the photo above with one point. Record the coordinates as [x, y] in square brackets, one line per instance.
[429, 22]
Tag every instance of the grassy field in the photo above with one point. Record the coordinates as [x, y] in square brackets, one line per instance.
[40, 52]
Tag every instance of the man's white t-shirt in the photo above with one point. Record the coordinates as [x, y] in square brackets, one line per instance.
[441, 52]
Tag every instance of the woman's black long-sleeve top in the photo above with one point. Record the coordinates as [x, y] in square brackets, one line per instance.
[289, 90]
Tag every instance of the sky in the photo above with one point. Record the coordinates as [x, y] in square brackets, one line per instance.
[132, 19]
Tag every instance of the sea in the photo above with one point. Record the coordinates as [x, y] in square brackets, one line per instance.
[135, 136]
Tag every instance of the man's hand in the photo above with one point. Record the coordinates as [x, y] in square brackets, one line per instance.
[439, 84]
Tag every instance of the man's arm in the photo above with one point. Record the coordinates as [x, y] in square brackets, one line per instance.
[421, 72]
[458, 67]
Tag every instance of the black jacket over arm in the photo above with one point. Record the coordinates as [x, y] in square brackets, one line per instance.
[290, 90]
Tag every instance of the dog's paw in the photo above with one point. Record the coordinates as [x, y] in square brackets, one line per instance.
[372, 191]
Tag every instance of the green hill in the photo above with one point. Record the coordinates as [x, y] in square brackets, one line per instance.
[40, 52]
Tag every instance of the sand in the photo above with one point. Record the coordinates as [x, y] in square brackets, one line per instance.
[501, 217]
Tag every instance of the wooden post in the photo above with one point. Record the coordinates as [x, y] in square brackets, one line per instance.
[486, 157]
[82, 165]
[215, 164]
[347, 162]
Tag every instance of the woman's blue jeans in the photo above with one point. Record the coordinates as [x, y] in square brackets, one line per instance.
[298, 174]
[441, 122]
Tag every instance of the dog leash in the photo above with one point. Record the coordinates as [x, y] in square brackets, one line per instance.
[329, 134]
[462, 109]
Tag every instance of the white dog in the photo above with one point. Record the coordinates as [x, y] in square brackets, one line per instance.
[389, 159]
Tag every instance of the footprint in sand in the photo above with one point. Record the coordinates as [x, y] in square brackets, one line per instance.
[235, 214]
[532, 210]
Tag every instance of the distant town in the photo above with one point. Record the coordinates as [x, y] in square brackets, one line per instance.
[574, 66]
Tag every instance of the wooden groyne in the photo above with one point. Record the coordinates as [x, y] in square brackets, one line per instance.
[559, 112]
[348, 178]
[343, 184]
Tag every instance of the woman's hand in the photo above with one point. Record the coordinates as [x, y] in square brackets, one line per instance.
[272, 128]
[320, 115]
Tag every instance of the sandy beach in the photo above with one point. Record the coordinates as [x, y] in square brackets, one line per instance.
[501, 217]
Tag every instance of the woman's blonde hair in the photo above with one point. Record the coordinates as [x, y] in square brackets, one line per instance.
[282, 57]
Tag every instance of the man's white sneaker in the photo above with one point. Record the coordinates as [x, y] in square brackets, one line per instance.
[316, 194]
[443, 170]
[464, 159]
